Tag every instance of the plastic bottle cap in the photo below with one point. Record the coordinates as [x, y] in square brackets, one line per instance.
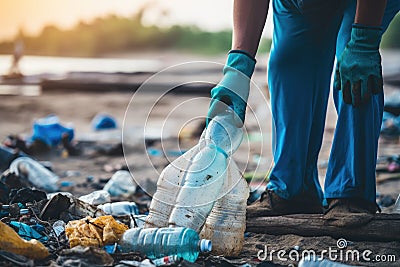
[205, 245]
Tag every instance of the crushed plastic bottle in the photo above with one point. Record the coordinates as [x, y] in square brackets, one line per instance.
[96, 197]
[35, 173]
[206, 175]
[168, 187]
[226, 223]
[160, 242]
[121, 183]
[120, 208]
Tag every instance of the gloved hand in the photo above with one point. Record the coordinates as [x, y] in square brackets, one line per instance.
[358, 70]
[233, 89]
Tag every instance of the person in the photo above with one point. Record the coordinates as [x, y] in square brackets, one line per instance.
[307, 36]
[17, 55]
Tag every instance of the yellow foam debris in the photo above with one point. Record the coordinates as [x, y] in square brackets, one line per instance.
[94, 232]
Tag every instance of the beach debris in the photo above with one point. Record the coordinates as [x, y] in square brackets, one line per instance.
[120, 208]
[25, 195]
[121, 184]
[35, 173]
[103, 121]
[10, 241]
[180, 241]
[50, 131]
[28, 232]
[84, 257]
[68, 208]
[59, 227]
[96, 197]
[94, 232]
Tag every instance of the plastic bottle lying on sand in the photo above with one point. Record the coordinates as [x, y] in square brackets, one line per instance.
[160, 242]
[168, 187]
[206, 175]
[120, 208]
[226, 223]
[35, 173]
[96, 197]
[121, 183]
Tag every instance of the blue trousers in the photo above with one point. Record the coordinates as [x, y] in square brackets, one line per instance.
[307, 36]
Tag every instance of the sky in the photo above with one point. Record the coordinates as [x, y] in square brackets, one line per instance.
[32, 15]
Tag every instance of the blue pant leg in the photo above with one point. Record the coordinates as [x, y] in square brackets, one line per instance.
[299, 73]
[351, 169]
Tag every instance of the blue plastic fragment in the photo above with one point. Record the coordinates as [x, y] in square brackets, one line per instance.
[103, 121]
[50, 131]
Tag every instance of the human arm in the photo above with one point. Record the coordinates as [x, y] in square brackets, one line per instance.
[358, 70]
[249, 18]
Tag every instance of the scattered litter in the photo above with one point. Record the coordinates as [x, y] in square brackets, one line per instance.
[67, 184]
[27, 232]
[50, 131]
[11, 242]
[51, 195]
[97, 232]
[173, 241]
[120, 208]
[25, 195]
[68, 208]
[144, 263]
[103, 122]
[96, 197]
[59, 227]
[35, 173]
[121, 183]
[84, 257]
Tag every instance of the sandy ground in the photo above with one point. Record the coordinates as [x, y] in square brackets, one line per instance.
[17, 114]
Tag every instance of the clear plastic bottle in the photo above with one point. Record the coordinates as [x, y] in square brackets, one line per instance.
[226, 223]
[205, 177]
[35, 173]
[120, 208]
[168, 187]
[121, 183]
[160, 242]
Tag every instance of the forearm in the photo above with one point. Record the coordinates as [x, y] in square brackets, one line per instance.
[370, 12]
[249, 18]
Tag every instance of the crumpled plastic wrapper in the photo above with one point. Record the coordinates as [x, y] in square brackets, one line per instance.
[10, 241]
[94, 232]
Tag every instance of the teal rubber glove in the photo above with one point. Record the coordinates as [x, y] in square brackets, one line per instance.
[233, 89]
[359, 70]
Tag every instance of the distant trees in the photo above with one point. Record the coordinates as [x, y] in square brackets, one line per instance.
[113, 34]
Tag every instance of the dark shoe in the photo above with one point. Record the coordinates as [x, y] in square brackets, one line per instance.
[349, 212]
[271, 204]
